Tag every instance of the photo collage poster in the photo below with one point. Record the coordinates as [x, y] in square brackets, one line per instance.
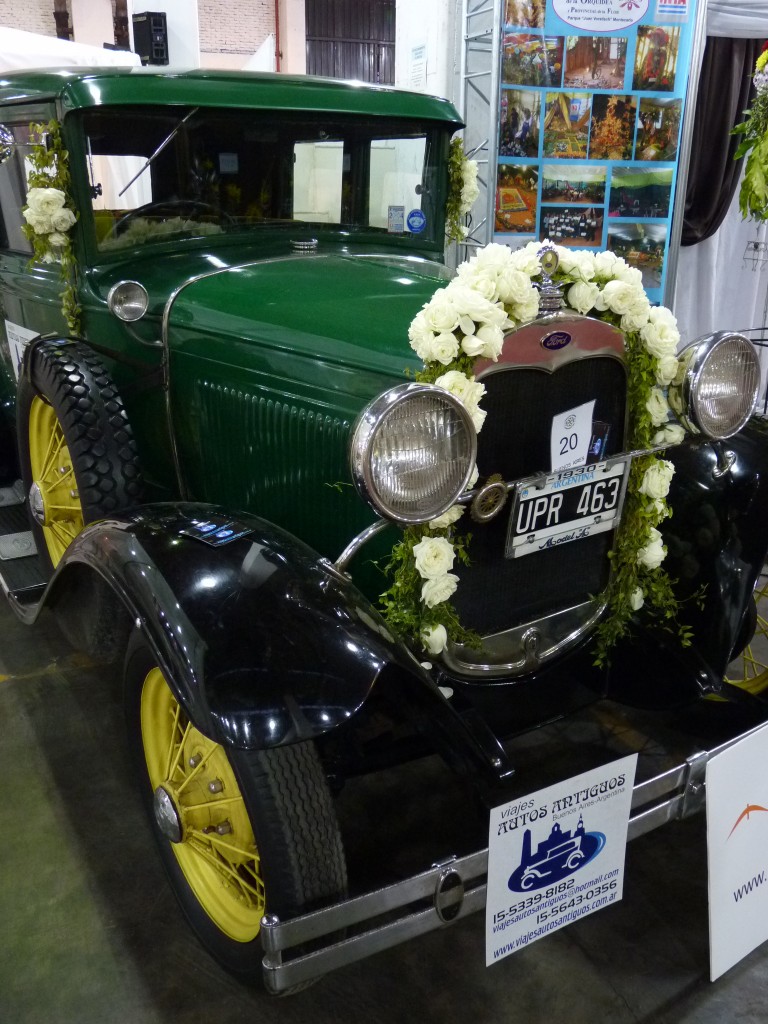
[590, 115]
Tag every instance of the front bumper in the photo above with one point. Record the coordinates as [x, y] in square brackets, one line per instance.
[671, 786]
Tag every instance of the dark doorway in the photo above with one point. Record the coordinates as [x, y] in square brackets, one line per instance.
[351, 39]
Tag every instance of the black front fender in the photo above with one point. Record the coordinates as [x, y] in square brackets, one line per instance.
[263, 641]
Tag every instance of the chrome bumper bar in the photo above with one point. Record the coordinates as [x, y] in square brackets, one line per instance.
[444, 893]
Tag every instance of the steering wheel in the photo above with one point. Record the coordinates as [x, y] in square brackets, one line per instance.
[174, 208]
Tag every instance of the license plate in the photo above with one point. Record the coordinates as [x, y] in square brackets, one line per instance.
[566, 506]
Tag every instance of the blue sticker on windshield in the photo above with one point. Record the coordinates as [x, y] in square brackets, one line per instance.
[416, 222]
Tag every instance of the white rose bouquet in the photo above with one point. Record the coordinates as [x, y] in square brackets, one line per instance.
[470, 319]
[463, 190]
[50, 214]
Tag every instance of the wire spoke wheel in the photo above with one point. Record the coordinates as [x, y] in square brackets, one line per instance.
[241, 833]
[750, 670]
[57, 502]
[215, 849]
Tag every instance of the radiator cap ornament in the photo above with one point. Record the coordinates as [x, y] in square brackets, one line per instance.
[550, 294]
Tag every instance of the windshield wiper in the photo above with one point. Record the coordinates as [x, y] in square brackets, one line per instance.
[160, 149]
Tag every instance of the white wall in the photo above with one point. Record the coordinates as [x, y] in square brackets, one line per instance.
[32, 16]
[426, 39]
[92, 21]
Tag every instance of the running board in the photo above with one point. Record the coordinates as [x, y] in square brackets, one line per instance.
[444, 893]
[22, 577]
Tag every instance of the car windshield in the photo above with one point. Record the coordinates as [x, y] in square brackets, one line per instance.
[193, 172]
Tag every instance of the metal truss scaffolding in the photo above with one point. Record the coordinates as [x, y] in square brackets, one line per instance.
[479, 91]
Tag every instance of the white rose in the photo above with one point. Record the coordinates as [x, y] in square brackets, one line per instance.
[619, 297]
[57, 240]
[472, 345]
[454, 513]
[466, 389]
[657, 479]
[525, 311]
[670, 433]
[513, 285]
[493, 256]
[658, 407]
[433, 557]
[605, 264]
[62, 220]
[666, 368]
[442, 349]
[636, 316]
[660, 338]
[440, 313]
[628, 275]
[473, 478]
[662, 315]
[526, 261]
[469, 302]
[580, 266]
[492, 339]
[636, 599]
[39, 223]
[654, 552]
[478, 418]
[434, 639]
[46, 201]
[436, 591]
[478, 280]
[582, 296]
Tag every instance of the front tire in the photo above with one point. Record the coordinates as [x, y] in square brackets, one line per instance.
[240, 833]
[77, 452]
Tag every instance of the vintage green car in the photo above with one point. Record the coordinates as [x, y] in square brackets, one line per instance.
[182, 434]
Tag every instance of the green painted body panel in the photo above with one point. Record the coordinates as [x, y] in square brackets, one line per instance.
[78, 88]
[270, 365]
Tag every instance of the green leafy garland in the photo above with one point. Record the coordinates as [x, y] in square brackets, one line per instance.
[50, 213]
[468, 320]
[753, 196]
[462, 191]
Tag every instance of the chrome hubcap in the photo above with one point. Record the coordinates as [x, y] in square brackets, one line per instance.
[36, 503]
[166, 815]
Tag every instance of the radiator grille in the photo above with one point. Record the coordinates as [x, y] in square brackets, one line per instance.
[497, 593]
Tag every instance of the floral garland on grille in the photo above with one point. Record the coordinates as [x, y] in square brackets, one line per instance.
[50, 212]
[493, 293]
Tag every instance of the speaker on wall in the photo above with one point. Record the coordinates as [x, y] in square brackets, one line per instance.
[150, 37]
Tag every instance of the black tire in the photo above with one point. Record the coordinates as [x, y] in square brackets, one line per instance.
[72, 382]
[289, 811]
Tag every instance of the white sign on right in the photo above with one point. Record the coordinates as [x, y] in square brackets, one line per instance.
[737, 847]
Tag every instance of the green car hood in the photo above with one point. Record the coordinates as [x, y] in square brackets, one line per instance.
[345, 309]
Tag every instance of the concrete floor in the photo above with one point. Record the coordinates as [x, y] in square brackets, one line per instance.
[90, 932]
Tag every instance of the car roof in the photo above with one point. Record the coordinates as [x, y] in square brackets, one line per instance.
[78, 88]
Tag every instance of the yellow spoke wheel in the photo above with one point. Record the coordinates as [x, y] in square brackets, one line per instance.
[54, 497]
[199, 808]
[240, 832]
[750, 670]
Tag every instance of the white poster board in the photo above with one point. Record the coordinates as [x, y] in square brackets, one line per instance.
[556, 855]
[737, 848]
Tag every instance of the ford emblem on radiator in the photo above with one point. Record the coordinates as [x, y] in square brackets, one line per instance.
[556, 340]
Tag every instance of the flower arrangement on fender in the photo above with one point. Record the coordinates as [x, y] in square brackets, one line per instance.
[753, 196]
[494, 293]
[462, 191]
[50, 212]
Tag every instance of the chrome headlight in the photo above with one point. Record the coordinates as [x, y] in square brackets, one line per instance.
[413, 451]
[128, 300]
[716, 387]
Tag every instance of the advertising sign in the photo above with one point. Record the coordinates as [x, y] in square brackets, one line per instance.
[737, 847]
[556, 855]
[590, 112]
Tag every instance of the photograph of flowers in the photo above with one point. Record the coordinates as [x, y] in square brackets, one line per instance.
[589, 123]
[532, 59]
[566, 124]
[516, 197]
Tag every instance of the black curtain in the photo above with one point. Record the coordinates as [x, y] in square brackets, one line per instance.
[725, 91]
